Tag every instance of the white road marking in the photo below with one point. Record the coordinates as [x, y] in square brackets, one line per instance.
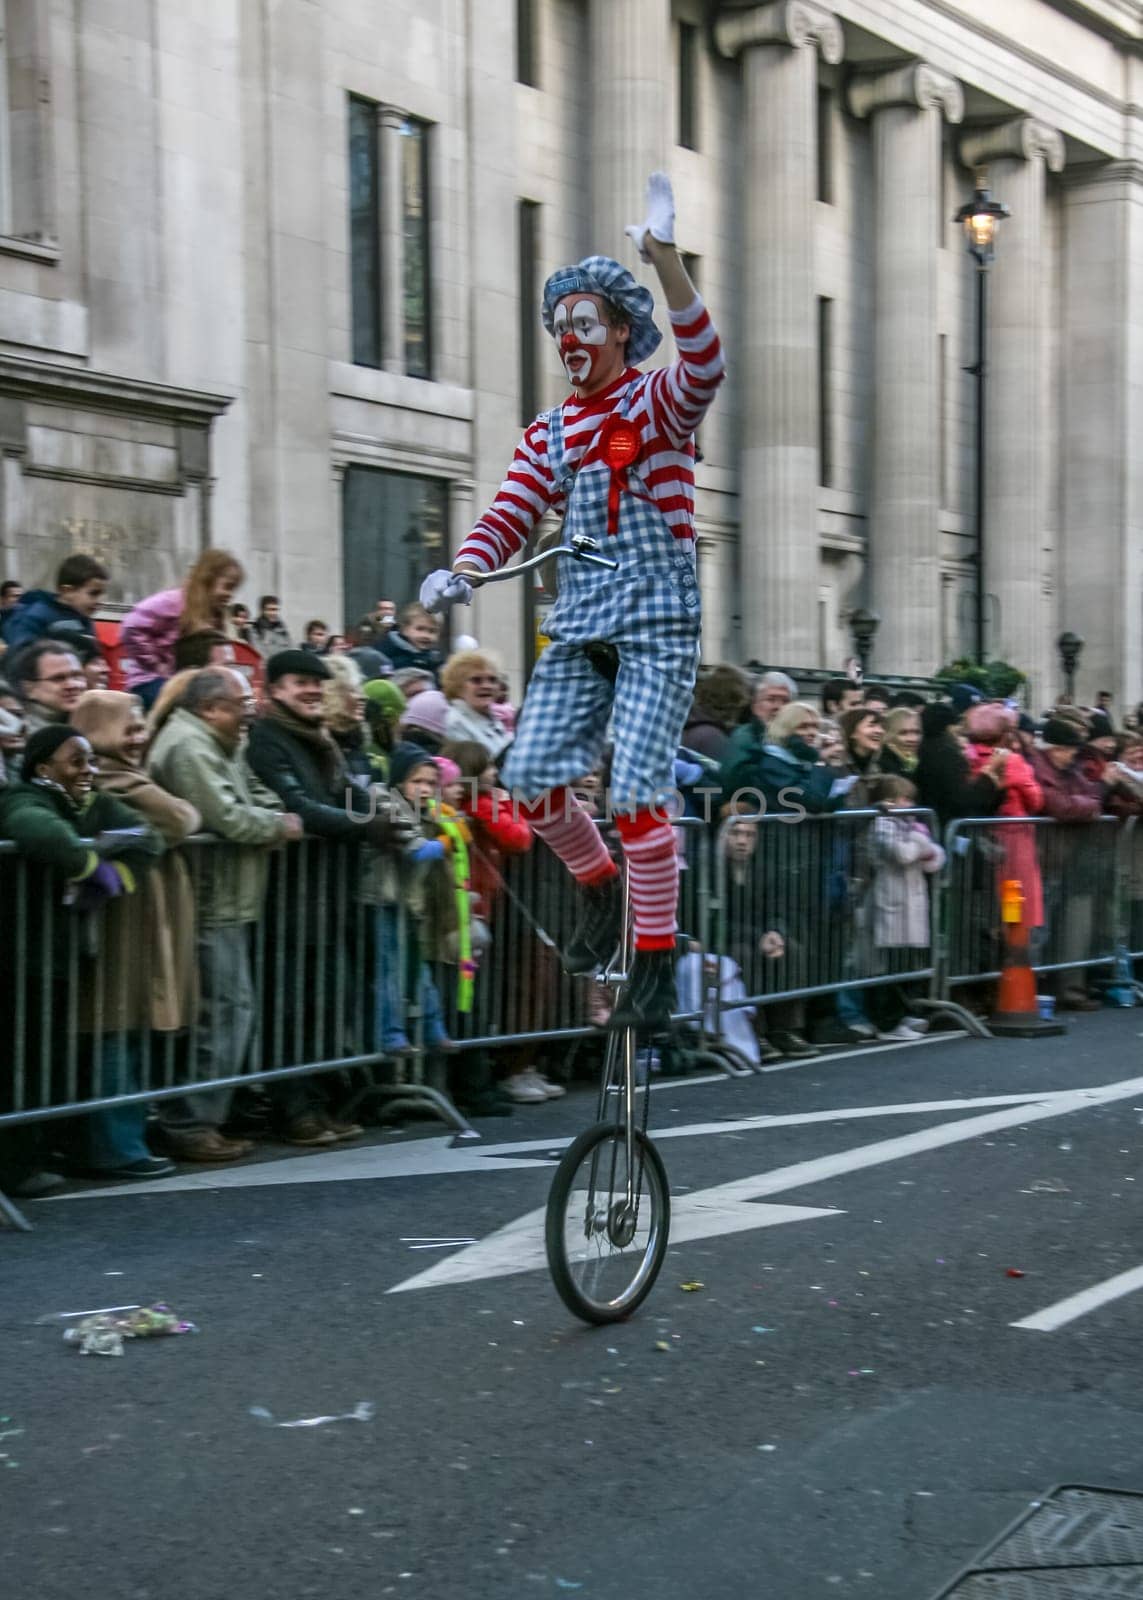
[435, 1157]
[519, 1247]
[800, 1119]
[418, 1158]
[1078, 1305]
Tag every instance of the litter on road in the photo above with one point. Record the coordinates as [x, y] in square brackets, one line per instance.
[362, 1412]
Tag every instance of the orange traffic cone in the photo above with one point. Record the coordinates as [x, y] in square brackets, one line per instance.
[1017, 1011]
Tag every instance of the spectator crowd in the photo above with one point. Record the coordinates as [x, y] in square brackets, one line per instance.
[367, 762]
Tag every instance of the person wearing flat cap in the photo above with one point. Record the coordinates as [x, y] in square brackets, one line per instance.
[616, 461]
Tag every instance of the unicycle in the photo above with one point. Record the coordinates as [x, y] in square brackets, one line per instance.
[609, 1209]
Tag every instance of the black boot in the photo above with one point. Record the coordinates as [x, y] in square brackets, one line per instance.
[649, 995]
[598, 926]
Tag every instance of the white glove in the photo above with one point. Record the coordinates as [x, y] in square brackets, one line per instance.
[443, 588]
[660, 223]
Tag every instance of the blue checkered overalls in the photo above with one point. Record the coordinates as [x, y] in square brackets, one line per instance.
[648, 609]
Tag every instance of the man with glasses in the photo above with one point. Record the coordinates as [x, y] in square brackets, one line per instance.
[198, 755]
[49, 680]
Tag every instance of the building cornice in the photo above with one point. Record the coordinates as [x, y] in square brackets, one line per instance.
[1118, 20]
[101, 391]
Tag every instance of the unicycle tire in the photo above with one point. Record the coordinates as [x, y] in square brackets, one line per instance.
[603, 1261]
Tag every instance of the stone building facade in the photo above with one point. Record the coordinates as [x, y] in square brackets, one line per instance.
[269, 271]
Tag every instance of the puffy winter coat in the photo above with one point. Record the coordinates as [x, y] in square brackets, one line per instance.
[148, 637]
[39, 613]
[904, 852]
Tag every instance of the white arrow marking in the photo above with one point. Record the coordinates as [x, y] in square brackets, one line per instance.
[519, 1246]
[1078, 1305]
[433, 1157]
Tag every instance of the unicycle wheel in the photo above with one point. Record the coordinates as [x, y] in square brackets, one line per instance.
[605, 1252]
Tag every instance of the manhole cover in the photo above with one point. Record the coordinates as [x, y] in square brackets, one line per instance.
[1075, 1543]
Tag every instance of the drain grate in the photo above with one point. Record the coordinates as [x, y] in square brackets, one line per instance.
[1076, 1543]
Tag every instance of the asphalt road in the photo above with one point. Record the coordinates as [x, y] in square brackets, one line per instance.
[845, 1407]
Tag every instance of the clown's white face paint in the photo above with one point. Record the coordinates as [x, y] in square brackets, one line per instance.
[592, 351]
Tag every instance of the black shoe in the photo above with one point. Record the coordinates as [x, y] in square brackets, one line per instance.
[833, 1032]
[649, 995]
[598, 926]
[792, 1044]
[769, 1051]
[134, 1171]
[36, 1185]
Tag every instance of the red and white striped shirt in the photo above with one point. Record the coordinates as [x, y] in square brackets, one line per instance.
[667, 405]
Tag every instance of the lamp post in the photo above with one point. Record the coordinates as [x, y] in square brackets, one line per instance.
[979, 218]
[1070, 645]
[864, 625]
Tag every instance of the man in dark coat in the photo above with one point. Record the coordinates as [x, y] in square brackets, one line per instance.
[292, 753]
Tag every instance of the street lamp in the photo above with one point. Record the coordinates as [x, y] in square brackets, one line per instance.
[864, 625]
[1070, 645]
[980, 219]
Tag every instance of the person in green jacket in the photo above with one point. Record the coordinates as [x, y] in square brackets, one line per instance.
[81, 850]
[199, 756]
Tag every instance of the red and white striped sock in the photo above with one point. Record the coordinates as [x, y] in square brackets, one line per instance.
[653, 873]
[568, 831]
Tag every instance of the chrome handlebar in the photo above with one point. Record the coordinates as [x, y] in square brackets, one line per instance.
[582, 548]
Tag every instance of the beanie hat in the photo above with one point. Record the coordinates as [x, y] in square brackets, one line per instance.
[963, 695]
[385, 694]
[372, 663]
[1062, 732]
[303, 663]
[938, 718]
[406, 758]
[428, 710]
[43, 745]
[447, 768]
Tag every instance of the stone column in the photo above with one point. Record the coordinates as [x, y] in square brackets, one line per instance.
[1017, 155]
[1101, 558]
[776, 353]
[631, 100]
[392, 243]
[906, 106]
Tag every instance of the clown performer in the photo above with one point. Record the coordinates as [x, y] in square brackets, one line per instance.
[616, 461]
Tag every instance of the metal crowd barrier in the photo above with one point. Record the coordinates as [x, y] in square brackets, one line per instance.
[1083, 894]
[175, 989]
[160, 998]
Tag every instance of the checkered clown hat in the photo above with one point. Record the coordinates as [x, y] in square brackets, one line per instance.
[602, 275]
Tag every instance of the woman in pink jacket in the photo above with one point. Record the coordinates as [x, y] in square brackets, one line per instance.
[988, 727]
[150, 632]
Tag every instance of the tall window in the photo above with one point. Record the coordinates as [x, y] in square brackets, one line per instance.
[825, 144]
[528, 300]
[688, 59]
[364, 233]
[825, 392]
[527, 62]
[394, 530]
[415, 223]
